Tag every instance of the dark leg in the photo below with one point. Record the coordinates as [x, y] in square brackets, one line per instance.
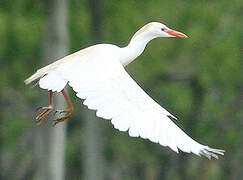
[46, 110]
[68, 111]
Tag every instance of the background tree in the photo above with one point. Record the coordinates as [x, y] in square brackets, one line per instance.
[94, 167]
[50, 141]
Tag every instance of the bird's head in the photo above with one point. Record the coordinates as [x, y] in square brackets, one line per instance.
[154, 30]
[140, 39]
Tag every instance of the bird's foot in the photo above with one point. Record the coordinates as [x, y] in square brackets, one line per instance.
[44, 114]
[68, 112]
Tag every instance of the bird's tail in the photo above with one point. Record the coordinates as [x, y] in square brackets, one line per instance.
[39, 73]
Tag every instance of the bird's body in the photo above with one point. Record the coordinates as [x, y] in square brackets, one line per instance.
[97, 75]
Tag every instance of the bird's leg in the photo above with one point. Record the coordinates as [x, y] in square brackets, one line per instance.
[68, 111]
[46, 110]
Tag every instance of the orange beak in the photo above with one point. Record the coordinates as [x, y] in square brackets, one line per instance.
[175, 33]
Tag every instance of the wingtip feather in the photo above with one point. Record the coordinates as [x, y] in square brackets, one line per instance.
[211, 152]
[172, 116]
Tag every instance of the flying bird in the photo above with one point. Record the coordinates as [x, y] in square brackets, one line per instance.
[98, 76]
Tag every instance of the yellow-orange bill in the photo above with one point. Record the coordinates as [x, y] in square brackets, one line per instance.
[176, 33]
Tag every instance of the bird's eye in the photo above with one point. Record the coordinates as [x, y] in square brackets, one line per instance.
[162, 29]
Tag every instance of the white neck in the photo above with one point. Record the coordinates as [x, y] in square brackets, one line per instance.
[134, 49]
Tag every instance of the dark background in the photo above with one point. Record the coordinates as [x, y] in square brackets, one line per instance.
[198, 79]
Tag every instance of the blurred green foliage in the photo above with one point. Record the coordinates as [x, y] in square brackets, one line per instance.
[198, 79]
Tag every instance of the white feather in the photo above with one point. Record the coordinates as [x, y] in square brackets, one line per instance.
[100, 79]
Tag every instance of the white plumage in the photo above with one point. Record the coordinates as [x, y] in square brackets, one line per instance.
[97, 75]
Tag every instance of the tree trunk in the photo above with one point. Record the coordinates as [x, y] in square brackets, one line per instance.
[50, 141]
[94, 156]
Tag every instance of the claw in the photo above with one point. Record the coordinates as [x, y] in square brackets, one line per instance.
[54, 123]
[56, 111]
[37, 121]
[43, 115]
[47, 110]
[68, 115]
[38, 108]
[59, 111]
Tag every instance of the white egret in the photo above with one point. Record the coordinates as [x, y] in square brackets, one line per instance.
[97, 75]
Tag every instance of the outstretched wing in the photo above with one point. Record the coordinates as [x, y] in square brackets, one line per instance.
[106, 87]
